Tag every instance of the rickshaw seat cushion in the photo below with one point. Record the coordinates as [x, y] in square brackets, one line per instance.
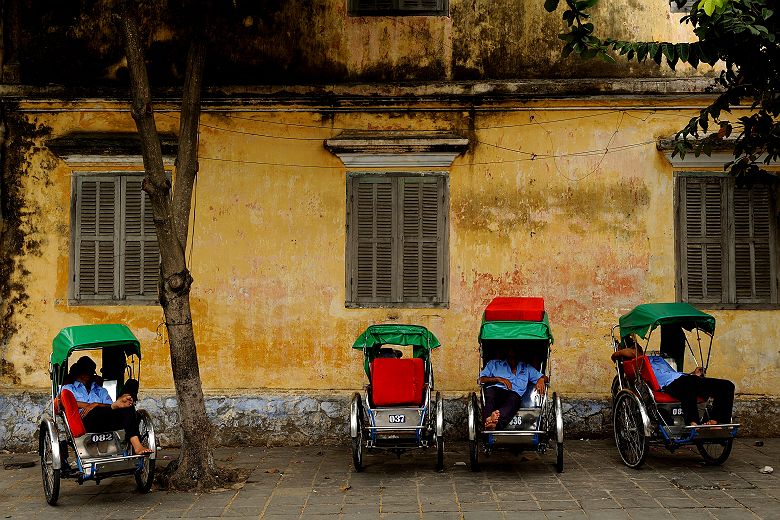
[645, 369]
[642, 366]
[71, 409]
[396, 382]
[504, 308]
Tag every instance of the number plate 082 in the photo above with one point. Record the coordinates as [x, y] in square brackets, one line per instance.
[99, 437]
[395, 419]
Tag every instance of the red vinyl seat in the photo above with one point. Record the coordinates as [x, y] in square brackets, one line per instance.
[68, 403]
[396, 382]
[504, 308]
[641, 364]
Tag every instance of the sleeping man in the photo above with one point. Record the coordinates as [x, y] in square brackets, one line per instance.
[687, 387]
[506, 380]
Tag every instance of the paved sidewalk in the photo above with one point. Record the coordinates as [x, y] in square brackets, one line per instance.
[311, 482]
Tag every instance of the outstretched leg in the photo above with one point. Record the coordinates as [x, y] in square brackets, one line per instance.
[686, 388]
[722, 393]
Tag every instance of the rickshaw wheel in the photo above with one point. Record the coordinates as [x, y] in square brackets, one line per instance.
[356, 411]
[630, 438]
[715, 453]
[615, 390]
[473, 410]
[144, 475]
[439, 438]
[51, 476]
[558, 417]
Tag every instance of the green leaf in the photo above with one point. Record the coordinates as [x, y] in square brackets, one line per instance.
[682, 51]
[551, 5]
[708, 6]
[641, 52]
[669, 52]
[766, 13]
[653, 50]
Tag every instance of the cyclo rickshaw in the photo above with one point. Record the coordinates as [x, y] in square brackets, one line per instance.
[65, 448]
[399, 411]
[520, 324]
[643, 414]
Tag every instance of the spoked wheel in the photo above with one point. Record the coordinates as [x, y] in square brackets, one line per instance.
[144, 475]
[51, 476]
[630, 438]
[558, 416]
[715, 453]
[356, 431]
[439, 432]
[473, 411]
[615, 390]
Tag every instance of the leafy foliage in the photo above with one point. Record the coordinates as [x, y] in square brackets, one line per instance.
[743, 34]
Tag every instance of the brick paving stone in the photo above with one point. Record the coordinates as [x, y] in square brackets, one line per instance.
[312, 483]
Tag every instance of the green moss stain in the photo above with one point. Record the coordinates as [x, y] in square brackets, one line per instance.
[18, 236]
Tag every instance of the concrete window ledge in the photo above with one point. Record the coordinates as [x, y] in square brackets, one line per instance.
[397, 150]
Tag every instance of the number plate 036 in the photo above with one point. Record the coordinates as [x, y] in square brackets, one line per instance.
[395, 419]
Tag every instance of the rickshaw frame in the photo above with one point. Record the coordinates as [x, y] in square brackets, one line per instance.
[637, 416]
[364, 431]
[55, 433]
[549, 422]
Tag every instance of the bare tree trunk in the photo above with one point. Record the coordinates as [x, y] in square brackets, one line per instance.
[195, 466]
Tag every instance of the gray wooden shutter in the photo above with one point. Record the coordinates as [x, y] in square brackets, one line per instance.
[96, 237]
[372, 270]
[420, 5]
[752, 244]
[141, 256]
[422, 230]
[703, 237]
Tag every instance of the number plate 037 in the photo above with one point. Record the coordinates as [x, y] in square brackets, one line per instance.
[395, 419]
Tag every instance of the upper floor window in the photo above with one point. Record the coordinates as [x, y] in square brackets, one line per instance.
[114, 253]
[399, 7]
[728, 241]
[397, 247]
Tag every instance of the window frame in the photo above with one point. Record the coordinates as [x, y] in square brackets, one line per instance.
[102, 300]
[354, 10]
[351, 301]
[727, 184]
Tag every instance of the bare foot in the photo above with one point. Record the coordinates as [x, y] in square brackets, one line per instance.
[492, 420]
[711, 422]
[138, 448]
[694, 423]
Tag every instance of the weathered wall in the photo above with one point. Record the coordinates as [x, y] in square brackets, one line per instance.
[592, 233]
[267, 43]
[292, 419]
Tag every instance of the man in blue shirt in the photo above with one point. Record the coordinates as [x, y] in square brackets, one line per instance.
[506, 380]
[688, 387]
[98, 412]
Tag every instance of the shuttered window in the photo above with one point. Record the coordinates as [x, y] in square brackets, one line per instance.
[399, 7]
[115, 257]
[727, 242]
[397, 240]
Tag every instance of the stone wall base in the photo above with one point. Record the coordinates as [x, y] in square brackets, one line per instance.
[287, 419]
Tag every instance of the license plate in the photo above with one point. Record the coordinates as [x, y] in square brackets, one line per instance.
[101, 437]
[516, 421]
[396, 419]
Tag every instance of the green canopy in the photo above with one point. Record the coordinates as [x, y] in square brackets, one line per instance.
[646, 317]
[87, 337]
[516, 330]
[421, 339]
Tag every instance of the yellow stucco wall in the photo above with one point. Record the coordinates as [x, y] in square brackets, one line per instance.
[591, 233]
